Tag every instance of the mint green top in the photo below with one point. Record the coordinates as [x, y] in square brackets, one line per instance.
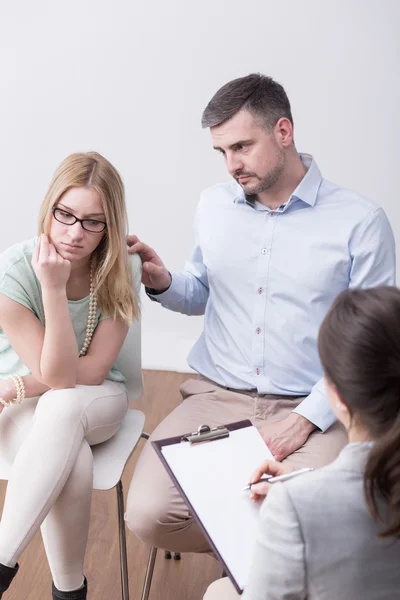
[19, 282]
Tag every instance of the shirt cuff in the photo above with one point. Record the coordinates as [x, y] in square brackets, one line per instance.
[153, 293]
[316, 409]
[173, 295]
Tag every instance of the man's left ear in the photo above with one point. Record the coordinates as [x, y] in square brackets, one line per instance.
[284, 131]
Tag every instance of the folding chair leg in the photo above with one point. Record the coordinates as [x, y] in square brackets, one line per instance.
[123, 557]
[168, 555]
[149, 573]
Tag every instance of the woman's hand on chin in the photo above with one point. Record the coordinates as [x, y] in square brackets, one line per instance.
[51, 268]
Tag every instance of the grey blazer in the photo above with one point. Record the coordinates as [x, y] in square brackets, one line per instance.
[318, 541]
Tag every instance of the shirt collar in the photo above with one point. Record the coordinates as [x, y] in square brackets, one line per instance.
[307, 190]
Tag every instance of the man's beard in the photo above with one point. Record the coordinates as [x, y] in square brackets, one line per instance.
[264, 183]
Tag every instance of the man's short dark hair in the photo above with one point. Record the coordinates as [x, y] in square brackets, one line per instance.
[263, 97]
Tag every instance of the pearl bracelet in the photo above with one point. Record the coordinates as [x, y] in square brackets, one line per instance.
[20, 389]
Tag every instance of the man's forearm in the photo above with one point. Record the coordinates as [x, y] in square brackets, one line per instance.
[303, 423]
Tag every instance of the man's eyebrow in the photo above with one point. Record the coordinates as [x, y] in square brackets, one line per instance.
[89, 215]
[233, 146]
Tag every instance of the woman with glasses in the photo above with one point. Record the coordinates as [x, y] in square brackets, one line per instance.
[66, 301]
[334, 534]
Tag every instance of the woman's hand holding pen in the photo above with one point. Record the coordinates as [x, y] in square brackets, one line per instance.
[269, 467]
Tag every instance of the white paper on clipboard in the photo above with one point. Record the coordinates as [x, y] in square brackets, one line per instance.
[211, 476]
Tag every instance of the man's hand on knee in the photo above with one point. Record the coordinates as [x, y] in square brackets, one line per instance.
[287, 436]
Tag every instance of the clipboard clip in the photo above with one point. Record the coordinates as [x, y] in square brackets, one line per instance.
[205, 433]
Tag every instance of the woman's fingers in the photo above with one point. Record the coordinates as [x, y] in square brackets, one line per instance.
[269, 467]
[259, 491]
[44, 248]
[46, 251]
[53, 254]
[50, 267]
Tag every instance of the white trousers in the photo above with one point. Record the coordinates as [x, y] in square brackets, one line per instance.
[47, 441]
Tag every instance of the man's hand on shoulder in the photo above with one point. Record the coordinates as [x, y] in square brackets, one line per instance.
[287, 436]
[154, 274]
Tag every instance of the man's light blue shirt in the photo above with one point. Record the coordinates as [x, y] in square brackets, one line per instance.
[265, 279]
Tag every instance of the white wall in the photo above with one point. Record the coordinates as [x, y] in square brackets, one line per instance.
[130, 80]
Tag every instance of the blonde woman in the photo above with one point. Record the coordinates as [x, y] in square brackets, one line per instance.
[66, 301]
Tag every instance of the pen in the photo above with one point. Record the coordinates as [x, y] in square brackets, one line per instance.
[284, 477]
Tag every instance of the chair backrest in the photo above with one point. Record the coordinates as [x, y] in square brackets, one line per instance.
[129, 360]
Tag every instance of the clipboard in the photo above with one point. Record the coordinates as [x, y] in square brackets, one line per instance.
[209, 467]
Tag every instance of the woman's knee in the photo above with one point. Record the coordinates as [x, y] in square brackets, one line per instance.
[63, 405]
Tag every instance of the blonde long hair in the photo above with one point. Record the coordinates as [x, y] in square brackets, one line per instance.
[113, 282]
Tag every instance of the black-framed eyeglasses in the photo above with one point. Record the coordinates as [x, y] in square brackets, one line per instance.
[92, 225]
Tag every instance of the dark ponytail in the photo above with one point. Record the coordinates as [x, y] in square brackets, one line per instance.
[382, 478]
[359, 346]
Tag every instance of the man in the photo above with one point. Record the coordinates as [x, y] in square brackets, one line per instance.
[273, 248]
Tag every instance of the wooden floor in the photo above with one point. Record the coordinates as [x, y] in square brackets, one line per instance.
[173, 580]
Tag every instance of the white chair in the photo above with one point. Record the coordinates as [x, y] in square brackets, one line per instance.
[111, 456]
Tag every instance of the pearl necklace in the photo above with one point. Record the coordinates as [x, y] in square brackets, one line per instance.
[91, 322]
